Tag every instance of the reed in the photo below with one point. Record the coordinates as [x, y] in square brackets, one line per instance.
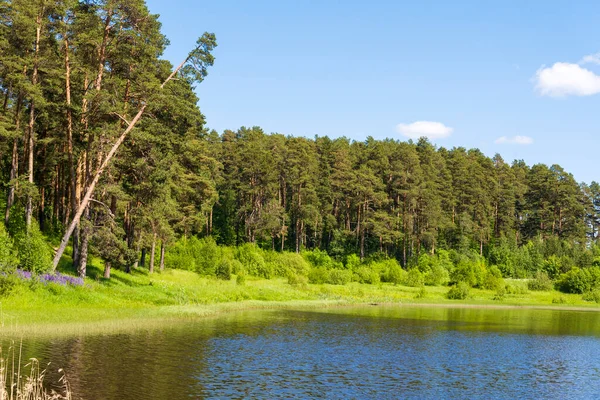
[20, 381]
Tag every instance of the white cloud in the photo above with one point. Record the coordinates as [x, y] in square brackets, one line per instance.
[514, 140]
[564, 79]
[429, 129]
[591, 58]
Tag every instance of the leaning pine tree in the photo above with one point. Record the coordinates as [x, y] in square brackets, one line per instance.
[194, 68]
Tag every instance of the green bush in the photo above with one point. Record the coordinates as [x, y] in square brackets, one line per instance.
[240, 279]
[437, 275]
[541, 282]
[253, 261]
[8, 282]
[366, 275]
[297, 280]
[471, 272]
[389, 271]
[33, 252]
[594, 296]
[339, 277]
[460, 291]
[414, 278]
[318, 275]
[493, 279]
[8, 261]
[224, 269]
[579, 280]
[319, 258]
[283, 263]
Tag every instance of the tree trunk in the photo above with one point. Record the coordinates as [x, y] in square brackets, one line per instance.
[143, 258]
[162, 256]
[107, 270]
[14, 170]
[30, 128]
[73, 177]
[152, 251]
[83, 250]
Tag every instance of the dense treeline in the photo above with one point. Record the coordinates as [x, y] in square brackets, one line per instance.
[74, 73]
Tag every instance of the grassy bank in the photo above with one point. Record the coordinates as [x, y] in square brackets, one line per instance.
[140, 300]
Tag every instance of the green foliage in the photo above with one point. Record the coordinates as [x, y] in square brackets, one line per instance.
[339, 277]
[493, 279]
[33, 251]
[251, 258]
[298, 281]
[366, 275]
[240, 279]
[472, 272]
[579, 280]
[8, 283]
[541, 282]
[283, 263]
[322, 275]
[460, 291]
[8, 261]
[593, 295]
[437, 275]
[319, 258]
[224, 269]
[318, 275]
[415, 278]
[193, 254]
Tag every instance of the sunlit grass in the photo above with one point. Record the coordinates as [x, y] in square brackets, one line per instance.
[141, 300]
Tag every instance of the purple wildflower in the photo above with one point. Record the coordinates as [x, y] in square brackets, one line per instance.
[61, 279]
[24, 275]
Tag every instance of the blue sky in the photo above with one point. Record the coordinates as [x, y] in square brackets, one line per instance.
[512, 77]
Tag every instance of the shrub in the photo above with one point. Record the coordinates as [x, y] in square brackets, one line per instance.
[579, 280]
[414, 278]
[207, 256]
[283, 263]
[241, 277]
[224, 269]
[500, 293]
[493, 279]
[460, 291]
[515, 289]
[470, 272]
[8, 282]
[389, 271]
[8, 261]
[339, 277]
[437, 276]
[353, 262]
[422, 293]
[253, 261]
[318, 275]
[33, 252]
[297, 280]
[592, 296]
[367, 275]
[319, 258]
[541, 282]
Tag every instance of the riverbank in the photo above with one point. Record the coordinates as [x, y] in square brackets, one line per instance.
[140, 300]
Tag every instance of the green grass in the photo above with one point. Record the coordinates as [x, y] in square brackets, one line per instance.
[139, 300]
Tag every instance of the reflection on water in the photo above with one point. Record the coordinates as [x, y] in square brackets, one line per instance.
[368, 352]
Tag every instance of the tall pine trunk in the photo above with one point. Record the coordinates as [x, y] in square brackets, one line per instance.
[31, 126]
[152, 251]
[162, 255]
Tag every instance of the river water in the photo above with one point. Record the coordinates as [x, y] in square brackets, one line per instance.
[374, 352]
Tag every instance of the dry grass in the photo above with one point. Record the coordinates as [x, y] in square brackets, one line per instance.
[26, 382]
